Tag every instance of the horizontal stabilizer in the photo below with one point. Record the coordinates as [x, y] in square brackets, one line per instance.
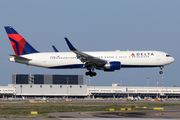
[20, 58]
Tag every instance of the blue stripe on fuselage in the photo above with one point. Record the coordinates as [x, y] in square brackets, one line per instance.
[81, 66]
[68, 66]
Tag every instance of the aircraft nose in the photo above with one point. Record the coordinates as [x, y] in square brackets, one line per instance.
[172, 59]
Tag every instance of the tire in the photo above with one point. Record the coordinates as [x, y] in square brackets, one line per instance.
[160, 72]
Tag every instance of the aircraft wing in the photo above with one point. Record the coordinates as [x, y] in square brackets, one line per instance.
[85, 58]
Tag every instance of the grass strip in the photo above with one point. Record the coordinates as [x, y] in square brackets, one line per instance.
[23, 110]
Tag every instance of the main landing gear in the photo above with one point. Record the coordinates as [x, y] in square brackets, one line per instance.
[90, 73]
[161, 72]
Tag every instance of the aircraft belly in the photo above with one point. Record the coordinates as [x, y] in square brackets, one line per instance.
[139, 62]
[61, 64]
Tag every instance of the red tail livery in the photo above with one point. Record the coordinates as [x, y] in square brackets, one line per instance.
[19, 44]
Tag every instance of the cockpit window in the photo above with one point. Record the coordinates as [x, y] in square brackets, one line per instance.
[168, 56]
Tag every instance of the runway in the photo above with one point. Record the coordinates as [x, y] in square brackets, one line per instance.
[167, 113]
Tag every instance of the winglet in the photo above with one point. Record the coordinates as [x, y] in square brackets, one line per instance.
[55, 50]
[71, 47]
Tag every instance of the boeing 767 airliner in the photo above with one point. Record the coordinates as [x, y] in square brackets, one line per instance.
[104, 60]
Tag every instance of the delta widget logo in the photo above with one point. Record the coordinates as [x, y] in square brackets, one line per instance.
[142, 54]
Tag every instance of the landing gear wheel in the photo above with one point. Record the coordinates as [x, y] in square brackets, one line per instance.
[161, 68]
[90, 74]
[87, 73]
[95, 73]
[160, 72]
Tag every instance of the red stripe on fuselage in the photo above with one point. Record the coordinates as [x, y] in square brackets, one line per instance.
[21, 42]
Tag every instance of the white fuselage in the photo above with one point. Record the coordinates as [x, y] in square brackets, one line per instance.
[62, 60]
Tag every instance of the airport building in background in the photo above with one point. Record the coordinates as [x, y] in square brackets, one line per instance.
[47, 79]
[72, 86]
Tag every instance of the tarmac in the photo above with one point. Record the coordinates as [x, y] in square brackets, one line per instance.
[170, 113]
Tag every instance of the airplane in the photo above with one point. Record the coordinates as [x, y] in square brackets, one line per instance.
[100, 60]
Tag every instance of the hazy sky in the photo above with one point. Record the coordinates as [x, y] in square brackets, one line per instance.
[94, 25]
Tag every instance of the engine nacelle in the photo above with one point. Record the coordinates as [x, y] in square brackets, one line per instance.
[111, 66]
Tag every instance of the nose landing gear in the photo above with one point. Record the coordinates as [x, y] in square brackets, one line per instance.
[161, 68]
[160, 72]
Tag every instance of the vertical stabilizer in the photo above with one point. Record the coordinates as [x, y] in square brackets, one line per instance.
[19, 44]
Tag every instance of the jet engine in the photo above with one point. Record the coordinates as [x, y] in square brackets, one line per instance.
[111, 66]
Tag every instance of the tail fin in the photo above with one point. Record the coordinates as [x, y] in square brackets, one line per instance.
[19, 44]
